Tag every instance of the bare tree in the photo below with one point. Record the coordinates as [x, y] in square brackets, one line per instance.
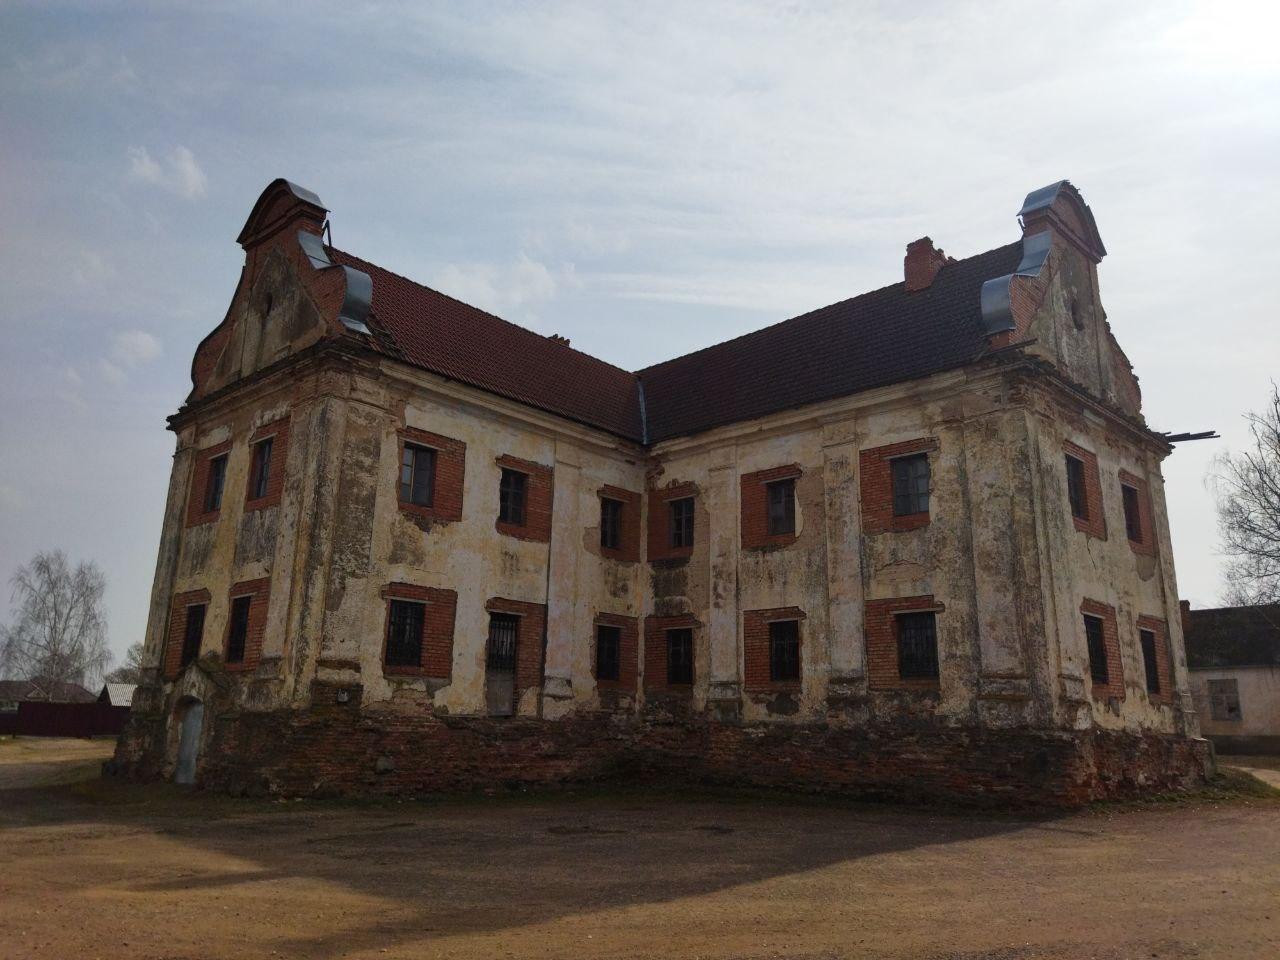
[131, 670]
[60, 632]
[1248, 492]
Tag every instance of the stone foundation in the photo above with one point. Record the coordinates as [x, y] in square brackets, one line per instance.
[336, 749]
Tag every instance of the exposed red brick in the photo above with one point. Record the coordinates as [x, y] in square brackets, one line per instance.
[660, 547]
[1147, 544]
[539, 492]
[881, 630]
[628, 549]
[196, 513]
[437, 630]
[628, 651]
[530, 636]
[921, 264]
[1164, 668]
[755, 648]
[754, 489]
[655, 651]
[278, 431]
[260, 591]
[1096, 524]
[876, 485]
[1114, 687]
[172, 659]
[447, 485]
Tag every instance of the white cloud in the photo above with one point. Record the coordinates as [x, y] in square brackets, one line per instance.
[129, 349]
[507, 290]
[180, 173]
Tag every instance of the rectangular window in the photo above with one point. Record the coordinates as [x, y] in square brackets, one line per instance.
[917, 645]
[195, 633]
[910, 484]
[1132, 515]
[260, 474]
[511, 494]
[213, 488]
[681, 522]
[1075, 488]
[1147, 639]
[782, 507]
[239, 630]
[1096, 642]
[610, 524]
[417, 475]
[784, 650]
[608, 651]
[680, 656]
[500, 655]
[1224, 700]
[404, 634]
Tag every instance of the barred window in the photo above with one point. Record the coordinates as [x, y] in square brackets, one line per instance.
[216, 480]
[608, 651]
[194, 633]
[782, 506]
[910, 484]
[1132, 513]
[680, 656]
[681, 522]
[238, 632]
[1076, 489]
[917, 645]
[404, 634]
[511, 497]
[260, 475]
[417, 475]
[1224, 700]
[610, 523]
[784, 650]
[1147, 639]
[1096, 642]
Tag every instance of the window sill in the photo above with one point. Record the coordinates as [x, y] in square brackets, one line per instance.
[262, 503]
[200, 519]
[435, 514]
[521, 532]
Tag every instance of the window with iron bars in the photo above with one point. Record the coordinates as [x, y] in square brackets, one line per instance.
[680, 656]
[608, 651]
[784, 651]
[917, 645]
[1076, 488]
[681, 522]
[781, 496]
[500, 655]
[404, 634]
[910, 484]
[1096, 642]
[1147, 640]
[610, 523]
[511, 497]
[238, 633]
[417, 475]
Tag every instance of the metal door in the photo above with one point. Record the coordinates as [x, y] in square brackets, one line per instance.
[500, 665]
[189, 743]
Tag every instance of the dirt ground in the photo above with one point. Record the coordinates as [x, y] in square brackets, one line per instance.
[93, 869]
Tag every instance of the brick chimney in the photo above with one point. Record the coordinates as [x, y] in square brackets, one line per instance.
[921, 264]
[1184, 608]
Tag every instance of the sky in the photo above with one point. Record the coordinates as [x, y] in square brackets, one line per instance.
[643, 178]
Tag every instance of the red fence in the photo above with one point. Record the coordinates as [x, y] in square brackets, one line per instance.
[64, 720]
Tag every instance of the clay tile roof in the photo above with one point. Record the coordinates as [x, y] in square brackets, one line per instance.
[1234, 637]
[879, 338]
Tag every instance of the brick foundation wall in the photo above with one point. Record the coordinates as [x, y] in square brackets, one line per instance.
[336, 749]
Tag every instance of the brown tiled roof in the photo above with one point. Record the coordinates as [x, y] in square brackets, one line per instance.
[879, 338]
[1234, 637]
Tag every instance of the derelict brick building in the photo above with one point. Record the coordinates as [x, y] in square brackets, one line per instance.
[912, 543]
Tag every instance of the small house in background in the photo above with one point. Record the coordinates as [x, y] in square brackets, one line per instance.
[14, 692]
[117, 694]
[1233, 657]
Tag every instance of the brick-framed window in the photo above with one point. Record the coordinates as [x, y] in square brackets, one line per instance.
[663, 521]
[772, 642]
[417, 636]
[621, 633]
[1161, 663]
[619, 524]
[1102, 649]
[1224, 700]
[429, 475]
[208, 484]
[1084, 490]
[894, 478]
[524, 499]
[185, 635]
[246, 623]
[900, 632]
[268, 449]
[1136, 497]
[662, 654]
[769, 506]
[530, 639]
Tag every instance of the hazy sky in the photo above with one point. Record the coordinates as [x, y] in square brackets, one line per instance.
[644, 179]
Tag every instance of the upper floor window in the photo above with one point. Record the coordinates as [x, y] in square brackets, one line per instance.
[610, 524]
[511, 497]
[1095, 641]
[238, 632]
[194, 634]
[784, 650]
[608, 651]
[417, 475]
[910, 484]
[217, 480]
[680, 655]
[782, 506]
[404, 634]
[1076, 488]
[260, 473]
[917, 645]
[681, 521]
[1147, 640]
[1132, 513]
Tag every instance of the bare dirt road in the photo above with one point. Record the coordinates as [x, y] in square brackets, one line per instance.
[102, 870]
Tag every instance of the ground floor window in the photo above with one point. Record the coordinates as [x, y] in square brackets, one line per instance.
[917, 645]
[680, 655]
[1147, 639]
[194, 634]
[1096, 642]
[404, 634]
[608, 651]
[784, 650]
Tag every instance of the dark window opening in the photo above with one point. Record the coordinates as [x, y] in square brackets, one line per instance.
[1096, 642]
[261, 473]
[417, 475]
[680, 656]
[1075, 488]
[511, 497]
[610, 524]
[1132, 515]
[782, 507]
[239, 629]
[681, 522]
[910, 484]
[217, 478]
[608, 652]
[404, 634]
[194, 634]
[917, 645]
[500, 656]
[784, 650]
[1224, 700]
[1147, 639]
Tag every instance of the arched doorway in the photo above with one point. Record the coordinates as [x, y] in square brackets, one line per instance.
[190, 716]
